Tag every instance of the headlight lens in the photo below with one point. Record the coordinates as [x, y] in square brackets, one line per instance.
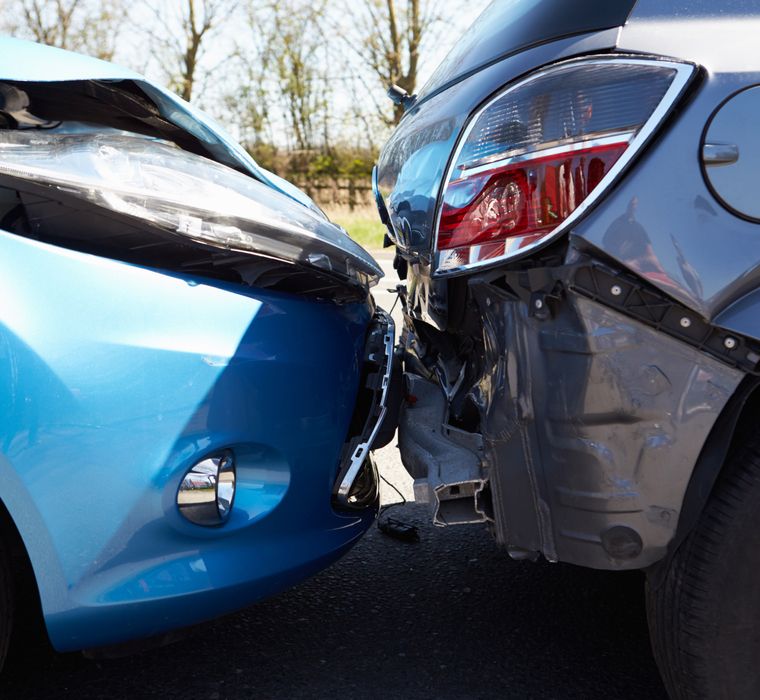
[181, 193]
[537, 155]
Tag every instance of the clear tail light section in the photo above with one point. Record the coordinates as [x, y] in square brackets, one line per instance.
[536, 156]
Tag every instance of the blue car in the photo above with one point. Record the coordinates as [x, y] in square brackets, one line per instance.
[192, 368]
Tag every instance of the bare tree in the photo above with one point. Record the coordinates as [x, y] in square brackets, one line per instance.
[179, 39]
[89, 26]
[247, 99]
[389, 40]
[298, 48]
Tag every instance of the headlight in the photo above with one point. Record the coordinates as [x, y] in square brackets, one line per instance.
[159, 184]
[535, 157]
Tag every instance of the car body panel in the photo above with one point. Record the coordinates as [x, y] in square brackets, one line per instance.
[686, 256]
[695, 264]
[115, 380]
[716, 35]
[506, 28]
[607, 420]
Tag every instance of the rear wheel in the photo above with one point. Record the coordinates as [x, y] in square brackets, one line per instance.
[704, 619]
[6, 602]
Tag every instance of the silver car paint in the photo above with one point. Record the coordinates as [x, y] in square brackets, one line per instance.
[591, 422]
[709, 257]
[608, 418]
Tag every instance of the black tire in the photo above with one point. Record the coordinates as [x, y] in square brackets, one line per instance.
[6, 602]
[704, 619]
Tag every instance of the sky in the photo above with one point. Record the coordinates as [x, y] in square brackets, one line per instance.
[353, 111]
[236, 34]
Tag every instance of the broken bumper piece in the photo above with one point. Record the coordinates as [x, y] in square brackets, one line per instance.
[357, 482]
[446, 462]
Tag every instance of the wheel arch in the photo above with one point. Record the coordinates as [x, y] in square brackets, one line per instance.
[732, 425]
[28, 615]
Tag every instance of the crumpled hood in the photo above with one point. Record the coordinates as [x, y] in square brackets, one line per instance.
[74, 94]
[26, 61]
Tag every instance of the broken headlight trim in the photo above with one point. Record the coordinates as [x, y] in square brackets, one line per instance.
[160, 185]
[540, 153]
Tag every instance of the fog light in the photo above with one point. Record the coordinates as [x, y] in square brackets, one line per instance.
[207, 491]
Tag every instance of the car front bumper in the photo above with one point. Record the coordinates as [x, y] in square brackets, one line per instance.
[115, 380]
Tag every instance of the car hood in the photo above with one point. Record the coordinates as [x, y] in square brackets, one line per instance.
[64, 87]
[29, 62]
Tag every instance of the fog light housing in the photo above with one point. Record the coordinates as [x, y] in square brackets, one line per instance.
[207, 491]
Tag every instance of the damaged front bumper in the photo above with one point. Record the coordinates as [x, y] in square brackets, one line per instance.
[357, 482]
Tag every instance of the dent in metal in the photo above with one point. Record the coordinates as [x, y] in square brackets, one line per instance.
[590, 423]
[606, 422]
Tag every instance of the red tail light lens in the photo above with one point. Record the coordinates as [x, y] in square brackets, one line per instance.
[538, 154]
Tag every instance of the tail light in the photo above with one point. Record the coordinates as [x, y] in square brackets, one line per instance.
[536, 156]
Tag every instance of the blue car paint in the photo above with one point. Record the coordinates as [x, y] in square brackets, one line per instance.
[114, 379]
[33, 62]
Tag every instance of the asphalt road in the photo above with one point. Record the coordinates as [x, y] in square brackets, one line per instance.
[450, 616]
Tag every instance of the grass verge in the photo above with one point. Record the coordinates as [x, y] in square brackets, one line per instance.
[363, 225]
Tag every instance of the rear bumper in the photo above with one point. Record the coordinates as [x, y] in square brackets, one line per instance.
[589, 424]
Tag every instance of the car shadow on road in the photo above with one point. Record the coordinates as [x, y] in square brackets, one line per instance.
[450, 616]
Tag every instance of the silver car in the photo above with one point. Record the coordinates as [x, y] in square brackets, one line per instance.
[574, 202]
